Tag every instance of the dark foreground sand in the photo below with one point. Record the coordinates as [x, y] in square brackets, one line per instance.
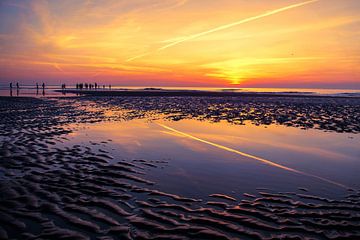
[74, 192]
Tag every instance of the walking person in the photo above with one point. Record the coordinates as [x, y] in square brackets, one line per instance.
[11, 94]
[63, 86]
[17, 89]
[43, 89]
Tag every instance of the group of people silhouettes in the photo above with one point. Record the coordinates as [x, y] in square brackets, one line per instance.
[90, 86]
[17, 86]
[79, 86]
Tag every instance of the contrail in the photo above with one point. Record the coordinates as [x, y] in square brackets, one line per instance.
[138, 56]
[237, 23]
[263, 160]
[223, 27]
[58, 67]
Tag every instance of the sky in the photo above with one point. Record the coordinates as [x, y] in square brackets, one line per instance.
[200, 43]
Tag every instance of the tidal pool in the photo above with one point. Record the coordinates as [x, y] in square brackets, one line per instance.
[204, 157]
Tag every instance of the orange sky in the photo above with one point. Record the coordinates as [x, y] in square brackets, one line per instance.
[230, 43]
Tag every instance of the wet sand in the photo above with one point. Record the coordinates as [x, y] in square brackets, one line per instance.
[159, 92]
[51, 191]
[324, 113]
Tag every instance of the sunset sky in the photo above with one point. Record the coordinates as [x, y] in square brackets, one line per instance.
[227, 43]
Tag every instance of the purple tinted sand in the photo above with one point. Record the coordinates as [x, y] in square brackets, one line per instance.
[47, 192]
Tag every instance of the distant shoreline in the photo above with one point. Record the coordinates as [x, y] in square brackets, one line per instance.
[197, 93]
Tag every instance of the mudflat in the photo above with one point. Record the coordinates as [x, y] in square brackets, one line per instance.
[57, 181]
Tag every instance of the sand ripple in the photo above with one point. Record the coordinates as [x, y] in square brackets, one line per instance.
[48, 192]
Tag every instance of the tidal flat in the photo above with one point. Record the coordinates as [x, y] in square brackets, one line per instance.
[179, 167]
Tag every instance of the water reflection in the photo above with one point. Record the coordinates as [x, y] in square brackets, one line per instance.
[196, 167]
[33, 92]
[263, 160]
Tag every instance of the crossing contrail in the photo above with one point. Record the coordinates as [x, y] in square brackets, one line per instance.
[263, 160]
[226, 26]
[56, 65]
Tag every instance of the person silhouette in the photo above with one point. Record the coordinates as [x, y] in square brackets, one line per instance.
[43, 89]
[17, 85]
[11, 85]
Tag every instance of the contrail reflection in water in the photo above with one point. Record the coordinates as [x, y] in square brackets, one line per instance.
[263, 160]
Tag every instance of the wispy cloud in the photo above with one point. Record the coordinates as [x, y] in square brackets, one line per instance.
[226, 26]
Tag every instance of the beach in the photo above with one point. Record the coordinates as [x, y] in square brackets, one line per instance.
[179, 120]
[179, 167]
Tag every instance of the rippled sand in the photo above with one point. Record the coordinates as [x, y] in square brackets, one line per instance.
[79, 192]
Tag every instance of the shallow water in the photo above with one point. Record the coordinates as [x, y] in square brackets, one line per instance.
[32, 92]
[197, 168]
